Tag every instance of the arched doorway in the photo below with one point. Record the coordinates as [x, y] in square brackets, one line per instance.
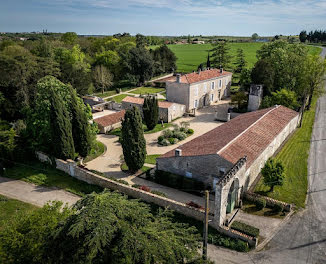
[233, 196]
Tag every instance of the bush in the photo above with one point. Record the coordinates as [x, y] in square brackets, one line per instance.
[123, 182]
[180, 135]
[246, 229]
[260, 204]
[136, 186]
[159, 193]
[145, 188]
[190, 131]
[171, 140]
[278, 207]
[167, 133]
[160, 139]
[165, 142]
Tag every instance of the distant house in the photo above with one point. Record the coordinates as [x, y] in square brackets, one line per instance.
[198, 89]
[167, 111]
[198, 42]
[109, 122]
[96, 103]
[229, 158]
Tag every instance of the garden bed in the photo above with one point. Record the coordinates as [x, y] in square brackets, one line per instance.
[171, 137]
[246, 229]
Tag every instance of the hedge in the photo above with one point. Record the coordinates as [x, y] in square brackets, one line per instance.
[246, 229]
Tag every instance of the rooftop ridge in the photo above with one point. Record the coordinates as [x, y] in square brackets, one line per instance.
[244, 131]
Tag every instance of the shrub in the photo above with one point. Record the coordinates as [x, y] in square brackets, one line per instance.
[136, 186]
[246, 229]
[190, 131]
[159, 193]
[171, 140]
[160, 139]
[180, 135]
[123, 182]
[145, 188]
[260, 204]
[278, 207]
[165, 142]
[167, 133]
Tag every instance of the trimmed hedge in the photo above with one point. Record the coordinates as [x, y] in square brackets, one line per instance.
[260, 203]
[246, 229]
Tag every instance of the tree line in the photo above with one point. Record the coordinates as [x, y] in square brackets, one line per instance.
[317, 36]
[289, 74]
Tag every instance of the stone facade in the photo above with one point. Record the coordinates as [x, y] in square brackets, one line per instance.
[200, 93]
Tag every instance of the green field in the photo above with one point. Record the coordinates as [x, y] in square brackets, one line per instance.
[189, 56]
[294, 157]
[118, 98]
[147, 90]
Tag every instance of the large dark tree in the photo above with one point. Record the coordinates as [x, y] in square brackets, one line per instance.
[62, 140]
[240, 63]
[263, 73]
[133, 141]
[110, 228]
[139, 65]
[221, 55]
[150, 111]
[80, 127]
[303, 36]
[165, 60]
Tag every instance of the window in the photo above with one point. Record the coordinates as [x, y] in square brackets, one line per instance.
[173, 107]
[196, 90]
[195, 103]
[212, 85]
[220, 83]
[205, 87]
[212, 97]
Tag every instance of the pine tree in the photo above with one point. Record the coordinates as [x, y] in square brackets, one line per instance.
[80, 127]
[208, 63]
[240, 62]
[133, 141]
[61, 130]
[220, 55]
[150, 111]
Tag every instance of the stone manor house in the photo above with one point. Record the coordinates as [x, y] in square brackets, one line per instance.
[198, 89]
[229, 158]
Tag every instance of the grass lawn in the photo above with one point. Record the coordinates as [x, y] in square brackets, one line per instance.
[10, 208]
[118, 98]
[124, 167]
[190, 56]
[251, 208]
[147, 90]
[106, 93]
[98, 150]
[44, 174]
[294, 157]
[151, 159]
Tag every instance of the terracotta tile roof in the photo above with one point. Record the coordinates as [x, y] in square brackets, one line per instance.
[248, 134]
[198, 77]
[140, 101]
[111, 119]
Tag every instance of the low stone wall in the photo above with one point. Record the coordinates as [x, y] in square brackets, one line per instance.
[269, 201]
[71, 168]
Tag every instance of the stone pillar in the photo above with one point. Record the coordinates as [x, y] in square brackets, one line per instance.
[219, 213]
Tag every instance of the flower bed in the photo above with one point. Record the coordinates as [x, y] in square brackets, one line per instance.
[246, 229]
[179, 133]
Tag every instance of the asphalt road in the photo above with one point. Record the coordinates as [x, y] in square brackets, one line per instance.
[303, 238]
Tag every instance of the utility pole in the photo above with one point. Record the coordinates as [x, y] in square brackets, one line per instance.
[206, 225]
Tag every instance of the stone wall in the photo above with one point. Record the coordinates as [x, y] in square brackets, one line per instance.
[84, 175]
[178, 93]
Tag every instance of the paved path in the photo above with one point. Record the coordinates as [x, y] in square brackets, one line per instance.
[33, 194]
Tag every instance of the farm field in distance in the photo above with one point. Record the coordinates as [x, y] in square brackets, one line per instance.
[189, 56]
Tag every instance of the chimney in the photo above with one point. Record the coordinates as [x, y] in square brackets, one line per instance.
[178, 152]
[178, 78]
[221, 70]
[228, 117]
[199, 70]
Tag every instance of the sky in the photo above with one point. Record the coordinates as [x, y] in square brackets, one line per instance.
[164, 17]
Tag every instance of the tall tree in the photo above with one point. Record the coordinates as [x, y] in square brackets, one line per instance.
[69, 38]
[102, 77]
[303, 36]
[110, 228]
[315, 72]
[139, 64]
[273, 173]
[62, 140]
[208, 62]
[133, 141]
[150, 111]
[240, 63]
[254, 36]
[165, 60]
[221, 54]
[80, 127]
